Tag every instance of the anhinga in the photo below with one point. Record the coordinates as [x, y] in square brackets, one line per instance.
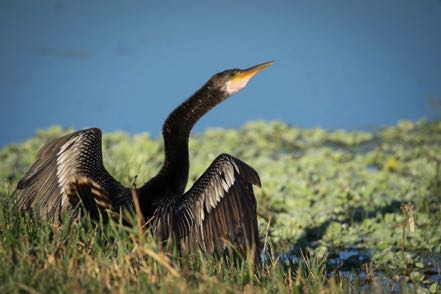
[218, 210]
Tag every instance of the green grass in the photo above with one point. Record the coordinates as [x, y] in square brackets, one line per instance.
[375, 196]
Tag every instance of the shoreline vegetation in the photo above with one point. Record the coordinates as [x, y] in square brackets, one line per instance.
[340, 211]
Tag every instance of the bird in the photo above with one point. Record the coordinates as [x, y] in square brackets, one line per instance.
[218, 211]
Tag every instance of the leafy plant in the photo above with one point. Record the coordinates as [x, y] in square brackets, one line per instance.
[339, 211]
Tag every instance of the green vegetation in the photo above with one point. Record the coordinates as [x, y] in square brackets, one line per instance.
[340, 210]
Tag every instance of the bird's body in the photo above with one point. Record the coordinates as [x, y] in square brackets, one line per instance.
[218, 210]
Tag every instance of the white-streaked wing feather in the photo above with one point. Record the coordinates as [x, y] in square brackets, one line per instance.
[220, 209]
[76, 154]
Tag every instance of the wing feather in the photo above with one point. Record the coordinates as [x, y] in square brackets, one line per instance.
[219, 210]
[77, 154]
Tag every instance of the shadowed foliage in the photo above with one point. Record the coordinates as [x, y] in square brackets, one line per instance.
[361, 210]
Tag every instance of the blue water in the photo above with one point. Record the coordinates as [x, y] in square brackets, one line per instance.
[122, 65]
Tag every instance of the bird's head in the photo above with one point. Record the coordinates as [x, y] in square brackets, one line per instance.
[234, 80]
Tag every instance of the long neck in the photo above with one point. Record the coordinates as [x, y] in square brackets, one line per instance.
[176, 132]
[181, 121]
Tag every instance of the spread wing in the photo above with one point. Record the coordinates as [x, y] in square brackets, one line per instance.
[218, 211]
[78, 154]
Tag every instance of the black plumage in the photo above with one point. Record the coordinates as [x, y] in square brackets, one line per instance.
[218, 210]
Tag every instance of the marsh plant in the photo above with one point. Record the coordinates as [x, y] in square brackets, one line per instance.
[339, 211]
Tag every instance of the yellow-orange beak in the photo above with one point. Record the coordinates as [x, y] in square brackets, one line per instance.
[244, 76]
[250, 72]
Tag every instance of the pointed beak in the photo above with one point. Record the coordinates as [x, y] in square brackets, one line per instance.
[250, 72]
[255, 69]
[244, 76]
